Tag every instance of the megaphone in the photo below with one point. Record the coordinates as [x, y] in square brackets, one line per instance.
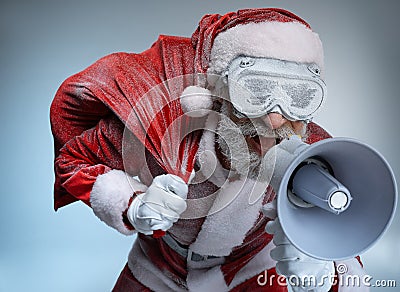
[336, 198]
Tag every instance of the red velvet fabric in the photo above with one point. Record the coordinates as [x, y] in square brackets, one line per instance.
[111, 86]
[86, 156]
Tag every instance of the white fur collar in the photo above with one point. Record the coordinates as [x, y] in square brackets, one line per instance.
[233, 213]
[210, 167]
[236, 206]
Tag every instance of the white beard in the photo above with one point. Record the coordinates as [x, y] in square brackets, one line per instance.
[233, 146]
[232, 143]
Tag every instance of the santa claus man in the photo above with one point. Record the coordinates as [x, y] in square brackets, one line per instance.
[263, 82]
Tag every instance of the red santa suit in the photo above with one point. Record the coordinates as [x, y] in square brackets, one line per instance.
[226, 250]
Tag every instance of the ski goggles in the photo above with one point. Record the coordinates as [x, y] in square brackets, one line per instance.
[258, 86]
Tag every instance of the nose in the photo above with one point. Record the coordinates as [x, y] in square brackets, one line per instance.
[275, 120]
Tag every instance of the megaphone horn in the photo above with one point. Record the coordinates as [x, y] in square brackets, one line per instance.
[336, 198]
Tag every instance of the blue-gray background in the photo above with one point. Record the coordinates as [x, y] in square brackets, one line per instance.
[44, 42]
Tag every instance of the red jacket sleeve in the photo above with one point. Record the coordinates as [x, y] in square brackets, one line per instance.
[94, 152]
[110, 86]
[91, 168]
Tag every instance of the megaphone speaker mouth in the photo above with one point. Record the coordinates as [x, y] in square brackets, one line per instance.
[339, 201]
[336, 199]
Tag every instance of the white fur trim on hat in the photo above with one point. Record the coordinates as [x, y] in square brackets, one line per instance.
[110, 196]
[196, 101]
[290, 41]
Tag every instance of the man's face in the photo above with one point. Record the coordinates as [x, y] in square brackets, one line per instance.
[265, 101]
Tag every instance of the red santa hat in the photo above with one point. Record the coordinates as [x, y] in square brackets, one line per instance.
[263, 32]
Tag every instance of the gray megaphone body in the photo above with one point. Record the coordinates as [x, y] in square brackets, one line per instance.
[335, 198]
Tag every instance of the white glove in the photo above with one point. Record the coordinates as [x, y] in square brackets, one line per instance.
[281, 156]
[160, 206]
[303, 273]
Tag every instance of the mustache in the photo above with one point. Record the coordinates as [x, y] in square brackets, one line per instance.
[257, 128]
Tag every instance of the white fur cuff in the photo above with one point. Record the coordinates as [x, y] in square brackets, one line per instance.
[110, 196]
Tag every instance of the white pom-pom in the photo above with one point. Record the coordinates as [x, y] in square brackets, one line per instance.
[196, 101]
